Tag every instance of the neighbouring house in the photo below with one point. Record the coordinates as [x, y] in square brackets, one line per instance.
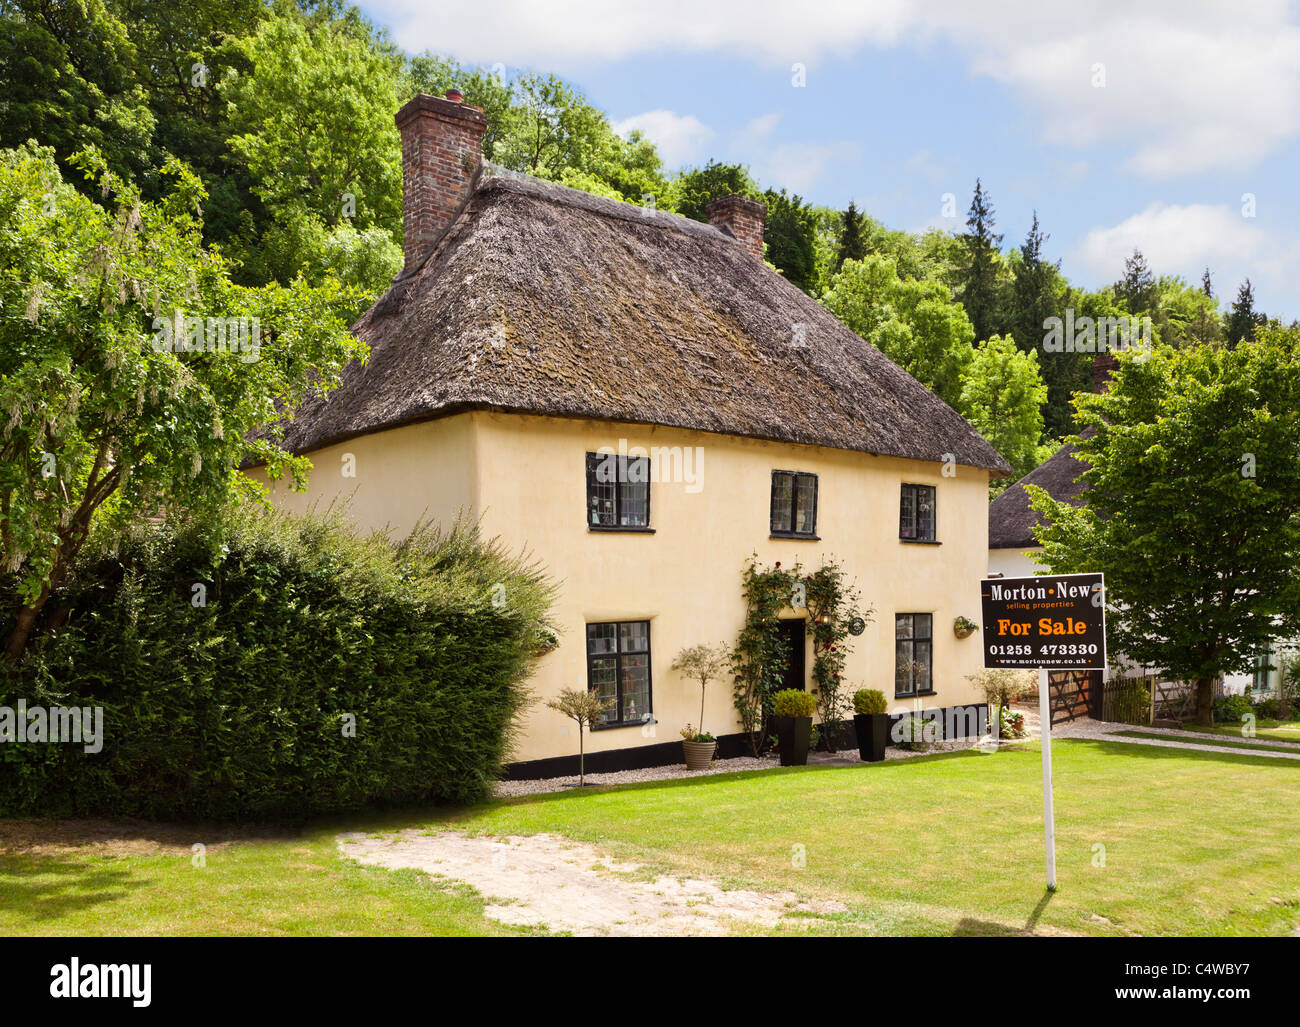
[640, 402]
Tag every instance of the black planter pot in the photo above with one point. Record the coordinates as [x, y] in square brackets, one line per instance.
[793, 733]
[873, 735]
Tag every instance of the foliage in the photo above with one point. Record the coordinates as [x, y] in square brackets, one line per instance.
[759, 657]
[832, 606]
[1012, 723]
[704, 664]
[916, 732]
[869, 701]
[1002, 396]
[793, 702]
[584, 708]
[1001, 686]
[980, 289]
[104, 419]
[1193, 506]
[282, 669]
[691, 735]
[914, 322]
[1230, 709]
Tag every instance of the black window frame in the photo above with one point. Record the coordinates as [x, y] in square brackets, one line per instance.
[622, 475]
[795, 477]
[911, 640]
[648, 714]
[933, 537]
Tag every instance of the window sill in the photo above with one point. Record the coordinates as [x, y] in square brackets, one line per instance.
[915, 695]
[614, 529]
[623, 723]
[793, 536]
[921, 541]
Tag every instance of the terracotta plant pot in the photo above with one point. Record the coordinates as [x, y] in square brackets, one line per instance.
[699, 754]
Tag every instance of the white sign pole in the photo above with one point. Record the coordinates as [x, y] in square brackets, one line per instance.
[1049, 817]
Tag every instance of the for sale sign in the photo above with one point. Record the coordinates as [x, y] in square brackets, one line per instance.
[1057, 622]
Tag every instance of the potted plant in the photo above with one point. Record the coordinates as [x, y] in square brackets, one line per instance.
[699, 747]
[964, 627]
[702, 662]
[871, 723]
[792, 711]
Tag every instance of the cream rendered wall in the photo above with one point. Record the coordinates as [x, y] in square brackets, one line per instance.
[525, 478]
[685, 578]
[422, 470]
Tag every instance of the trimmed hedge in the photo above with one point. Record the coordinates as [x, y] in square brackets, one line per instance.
[237, 709]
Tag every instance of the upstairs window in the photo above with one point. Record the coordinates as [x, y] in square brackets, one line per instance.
[916, 514]
[618, 492]
[794, 504]
[618, 669]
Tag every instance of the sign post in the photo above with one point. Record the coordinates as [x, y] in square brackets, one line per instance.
[1051, 622]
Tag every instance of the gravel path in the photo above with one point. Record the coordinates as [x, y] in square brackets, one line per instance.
[549, 882]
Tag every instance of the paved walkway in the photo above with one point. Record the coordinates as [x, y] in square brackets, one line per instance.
[1177, 738]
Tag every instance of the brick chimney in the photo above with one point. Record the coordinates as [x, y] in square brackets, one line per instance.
[1103, 366]
[442, 146]
[742, 218]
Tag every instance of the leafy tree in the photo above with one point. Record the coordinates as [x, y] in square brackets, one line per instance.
[432, 74]
[914, 322]
[1243, 320]
[1002, 396]
[71, 80]
[980, 288]
[104, 424]
[693, 189]
[1193, 506]
[853, 241]
[789, 237]
[584, 708]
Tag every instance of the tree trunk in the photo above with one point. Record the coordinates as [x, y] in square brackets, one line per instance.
[581, 762]
[1205, 702]
[24, 619]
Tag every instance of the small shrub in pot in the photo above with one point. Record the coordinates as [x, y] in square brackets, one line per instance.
[871, 723]
[792, 711]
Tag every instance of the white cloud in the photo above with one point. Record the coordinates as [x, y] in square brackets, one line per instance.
[1185, 239]
[1189, 84]
[798, 166]
[678, 137]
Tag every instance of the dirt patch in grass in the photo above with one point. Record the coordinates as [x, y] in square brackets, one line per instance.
[547, 881]
[117, 838]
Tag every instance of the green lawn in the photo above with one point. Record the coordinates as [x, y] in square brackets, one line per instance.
[1210, 739]
[1194, 843]
[1274, 730]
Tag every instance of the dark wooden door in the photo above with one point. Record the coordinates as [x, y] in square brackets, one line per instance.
[794, 635]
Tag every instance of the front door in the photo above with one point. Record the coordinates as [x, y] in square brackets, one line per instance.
[794, 635]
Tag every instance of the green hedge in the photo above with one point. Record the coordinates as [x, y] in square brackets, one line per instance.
[236, 709]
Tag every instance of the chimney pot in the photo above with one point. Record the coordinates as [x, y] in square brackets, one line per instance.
[455, 96]
[742, 218]
[442, 147]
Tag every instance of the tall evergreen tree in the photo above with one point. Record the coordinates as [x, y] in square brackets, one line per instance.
[980, 292]
[1137, 289]
[1036, 289]
[853, 237]
[1206, 286]
[1243, 319]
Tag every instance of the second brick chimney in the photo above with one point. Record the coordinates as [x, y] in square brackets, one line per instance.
[442, 146]
[742, 218]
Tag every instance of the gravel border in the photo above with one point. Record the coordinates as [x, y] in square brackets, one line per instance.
[1083, 728]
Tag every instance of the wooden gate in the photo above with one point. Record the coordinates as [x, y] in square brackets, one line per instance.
[1072, 694]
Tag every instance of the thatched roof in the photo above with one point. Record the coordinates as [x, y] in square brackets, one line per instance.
[544, 300]
[1012, 520]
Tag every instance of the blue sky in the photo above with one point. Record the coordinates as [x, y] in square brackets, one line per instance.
[1171, 126]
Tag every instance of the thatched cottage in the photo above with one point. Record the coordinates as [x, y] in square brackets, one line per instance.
[535, 328]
